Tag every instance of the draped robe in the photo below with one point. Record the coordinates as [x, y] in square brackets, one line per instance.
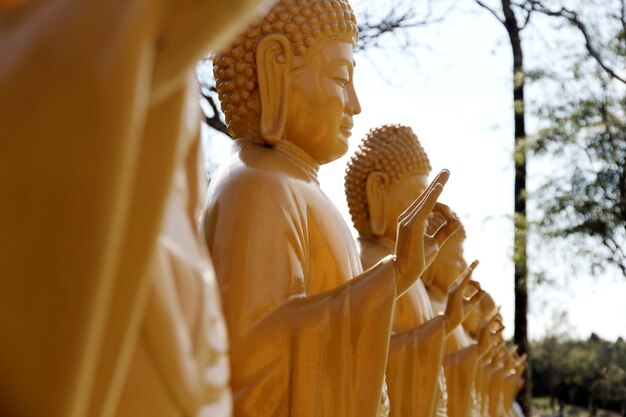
[460, 363]
[306, 339]
[415, 380]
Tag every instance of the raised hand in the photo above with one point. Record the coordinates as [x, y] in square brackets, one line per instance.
[415, 250]
[488, 333]
[522, 363]
[469, 304]
[455, 313]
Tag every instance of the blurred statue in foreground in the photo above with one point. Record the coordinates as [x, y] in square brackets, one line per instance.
[388, 171]
[180, 363]
[91, 109]
[308, 328]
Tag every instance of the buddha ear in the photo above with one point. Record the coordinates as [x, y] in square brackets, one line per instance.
[273, 57]
[376, 190]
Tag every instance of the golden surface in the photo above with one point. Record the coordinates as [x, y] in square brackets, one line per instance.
[309, 329]
[417, 385]
[90, 118]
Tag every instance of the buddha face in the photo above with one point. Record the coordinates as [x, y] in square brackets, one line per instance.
[322, 101]
[400, 194]
[449, 264]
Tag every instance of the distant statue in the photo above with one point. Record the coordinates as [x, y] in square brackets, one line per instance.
[513, 382]
[308, 328]
[461, 350]
[499, 372]
[481, 326]
[388, 170]
[91, 110]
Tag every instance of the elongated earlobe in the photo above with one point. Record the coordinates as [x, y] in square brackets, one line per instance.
[274, 58]
[376, 190]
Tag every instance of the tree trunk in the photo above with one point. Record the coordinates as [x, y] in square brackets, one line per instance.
[520, 336]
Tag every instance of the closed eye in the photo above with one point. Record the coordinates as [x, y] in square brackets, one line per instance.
[342, 82]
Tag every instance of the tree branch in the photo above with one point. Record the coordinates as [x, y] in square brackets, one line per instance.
[490, 10]
[395, 21]
[529, 13]
[573, 18]
[214, 121]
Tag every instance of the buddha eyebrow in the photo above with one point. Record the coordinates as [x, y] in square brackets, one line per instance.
[344, 62]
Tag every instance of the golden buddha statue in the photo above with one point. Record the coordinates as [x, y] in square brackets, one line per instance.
[481, 326]
[308, 328]
[461, 350]
[492, 366]
[91, 111]
[489, 391]
[496, 385]
[388, 170]
[513, 380]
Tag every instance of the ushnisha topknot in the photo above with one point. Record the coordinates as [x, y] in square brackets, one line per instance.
[393, 149]
[303, 22]
[436, 220]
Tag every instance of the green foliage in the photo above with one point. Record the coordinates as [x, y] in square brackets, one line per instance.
[587, 373]
[585, 131]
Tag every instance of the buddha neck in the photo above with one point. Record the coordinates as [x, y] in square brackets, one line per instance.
[384, 241]
[300, 157]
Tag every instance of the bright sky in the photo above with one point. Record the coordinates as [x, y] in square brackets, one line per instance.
[456, 97]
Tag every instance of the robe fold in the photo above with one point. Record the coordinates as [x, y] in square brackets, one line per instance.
[415, 381]
[495, 392]
[460, 370]
[306, 339]
[414, 357]
[509, 390]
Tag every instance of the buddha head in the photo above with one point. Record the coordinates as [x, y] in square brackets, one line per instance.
[289, 77]
[449, 263]
[388, 171]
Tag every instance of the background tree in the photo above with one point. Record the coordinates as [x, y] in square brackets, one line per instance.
[514, 18]
[588, 373]
[592, 203]
[584, 205]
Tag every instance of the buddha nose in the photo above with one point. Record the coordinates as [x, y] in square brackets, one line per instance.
[352, 106]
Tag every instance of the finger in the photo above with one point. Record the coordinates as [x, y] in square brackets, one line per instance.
[490, 318]
[421, 211]
[462, 281]
[498, 318]
[476, 285]
[472, 303]
[444, 211]
[423, 200]
[475, 299]
[441, 178]
[467, 275]
[447, 231]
